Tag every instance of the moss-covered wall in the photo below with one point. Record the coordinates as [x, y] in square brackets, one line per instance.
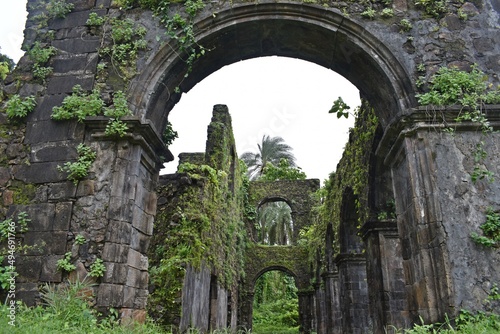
[199, 225]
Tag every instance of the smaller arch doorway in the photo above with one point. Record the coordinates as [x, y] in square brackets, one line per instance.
[275, 303]
[274, 223]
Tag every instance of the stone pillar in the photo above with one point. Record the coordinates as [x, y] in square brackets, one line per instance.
[388, 305]
[305, 311]
[353, 293]
[129, 167]
[333, 316]
[320, 315]
[245, 310]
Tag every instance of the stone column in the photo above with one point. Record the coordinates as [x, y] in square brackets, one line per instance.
[388, 305]
[305, 311]
[333, 316]
[353, 293]
[129, 167]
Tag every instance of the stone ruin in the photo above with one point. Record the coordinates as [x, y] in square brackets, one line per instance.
[373, 271]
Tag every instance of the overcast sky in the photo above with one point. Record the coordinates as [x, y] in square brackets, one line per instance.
[272, 96]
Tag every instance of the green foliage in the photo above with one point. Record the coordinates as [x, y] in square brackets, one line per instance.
[79, 169]
[18, 107]
[405, 25]
[340, 108]
[116, 127]
[491, 230]
[65, 264]
[369, 13]
[79, 105]
[282, 172]
[59, 8]
[97, 269]
[80, 239]
[40, 55]
[434, 8]
[4, 70]
[127, 40]
[387, 13]
[8, 227]
[169, 135]
[95, 20]
[450, 86]
[275, 304]
[68, 309]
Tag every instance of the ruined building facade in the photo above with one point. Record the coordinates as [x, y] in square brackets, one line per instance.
[377, 265]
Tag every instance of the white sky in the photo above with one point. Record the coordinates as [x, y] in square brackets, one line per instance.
[275, 96]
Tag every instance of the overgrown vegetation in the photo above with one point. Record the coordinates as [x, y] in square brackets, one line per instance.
[81, 104]
[491, 230]
[202, 228]
[276, 306]
[79, 169]
[68, 308]
[19, 107]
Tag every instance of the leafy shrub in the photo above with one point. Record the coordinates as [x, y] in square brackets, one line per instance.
[59, 8]
[79, 105]
[79, 169]
[68, 309]
[18, 107]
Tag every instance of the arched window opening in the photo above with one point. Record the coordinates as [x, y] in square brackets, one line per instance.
[275, 304]
[274, 224]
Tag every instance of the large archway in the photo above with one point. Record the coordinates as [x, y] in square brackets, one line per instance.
[294, 30]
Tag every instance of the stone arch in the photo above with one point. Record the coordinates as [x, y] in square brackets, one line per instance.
[349, 241]
[296, 193]
[322, 36]
[290, 259]
[287, 237]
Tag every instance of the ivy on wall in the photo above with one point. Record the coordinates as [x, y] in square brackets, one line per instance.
[352, 172]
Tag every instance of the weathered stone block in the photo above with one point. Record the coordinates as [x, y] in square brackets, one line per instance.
[85, 188]
[4, 176]
[27, 292]
[50, 273]
[88, 44]
[46, 242]
[137, 260]
[62, 218]
[48, 131]
[28, 268]
[65, 84]
[62, 190]
[115, 273]
[110, 295]
[119, 232]
[115, 252]
[139, 241]
[46, 152]
[128, 296]
[137, 278]
[75, 64]
[44, 108]
[142, 221]
[120, 208]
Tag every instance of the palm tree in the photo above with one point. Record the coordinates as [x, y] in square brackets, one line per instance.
[275, 223]
[271, 150]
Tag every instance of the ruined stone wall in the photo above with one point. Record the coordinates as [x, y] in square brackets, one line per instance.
[381, 55]
[197, 250]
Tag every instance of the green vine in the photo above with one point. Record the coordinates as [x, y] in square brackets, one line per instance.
[65, 263]
[179, 26]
